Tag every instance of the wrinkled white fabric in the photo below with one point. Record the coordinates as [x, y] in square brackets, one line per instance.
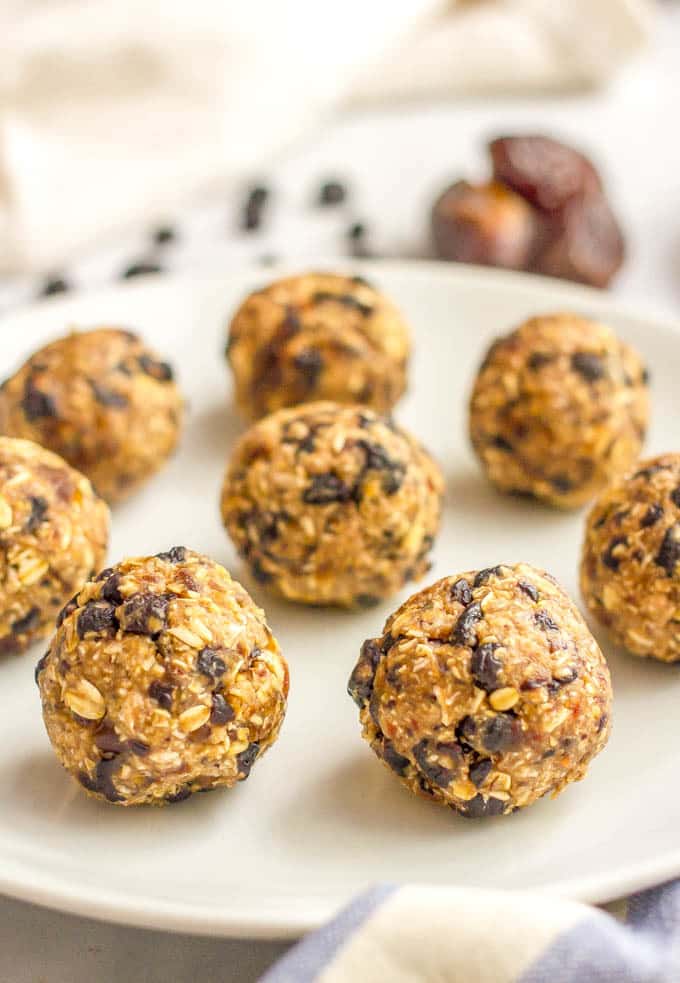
[113, 111]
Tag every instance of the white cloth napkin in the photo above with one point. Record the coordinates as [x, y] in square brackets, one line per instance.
[113, 111]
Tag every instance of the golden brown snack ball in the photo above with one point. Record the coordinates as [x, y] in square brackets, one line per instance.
[332, 504]
[630, 564]
[317, 336]
[163, 679]
[53, 535]
[101, 400]
[485, 691]
[559, 409]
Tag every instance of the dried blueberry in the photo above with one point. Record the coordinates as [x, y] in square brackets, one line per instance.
[347, 300]
[427, 757]
[397, 762]
[107, 397]
[484, 575]
[528, 589]
[140, 748]
[377, 459]
[27, 623]
[562, 483]
[221, 712]
[40, 665]
[466, 731]
[479, 807]
[501, 732]
[461, 592]
[537, 360]
[39, 507]
[675, 497]
[326, 488]
[309, 363]
[588, 365]
[360, 685]
[486, 667]
[465, 631]
[652, 515]
[111, 590]
[87, 782]
[480, 770]
[669, 552]
[97, 617]
[501, 443]
[67, 609]
[179, 796]
[162, 694]
[544, 621]
[246, 758]
[210, 664]
[108, 741]
[177, 554]
[259, 573]
[145, 614]
[36, 404]
[104, 773]
[160, 371]
[609, 557]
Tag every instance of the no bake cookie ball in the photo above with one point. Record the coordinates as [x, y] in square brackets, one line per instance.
[332, 504]
[485, 691]
[317, 336]
[630, 566]
[163, 679]
[559, 409]
[103, 401]
[53, 535]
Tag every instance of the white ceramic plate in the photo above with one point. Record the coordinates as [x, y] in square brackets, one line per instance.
[320, 818]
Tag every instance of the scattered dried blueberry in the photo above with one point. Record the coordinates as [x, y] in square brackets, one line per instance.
[486, 667]
[162, 694]
[484, 575]
[465, 631]
[326, 488]
[332, 193]
[67, 609]
[107, 739]
[104, 773]
[107, 397]
[652, 515]
[221, 712]
[210, 664]
[177, 554]
[588, 365]
[669, 552]
[480, 770]
[40, 665]
[537, 360]
[97, 617]
[609, 557]
[111, 590]
[479, 807]
[27, 623]
[377, 459]
[346, 300]
[561, 483]
[39, 508]
[501, 443]
[436, 773]
[145, 614]
[528, 589]
[180, 796]
[675, 497]
[140, 748]
[160, 371]
[309, 363]
[500, 732]
[36, 404]
[461, 592]
[246, 758]
[360, 685]
[54, 285]
[141, 268]
[544, 621]
[397, 762]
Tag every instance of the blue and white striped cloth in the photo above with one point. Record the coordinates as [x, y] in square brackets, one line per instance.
[459, 935]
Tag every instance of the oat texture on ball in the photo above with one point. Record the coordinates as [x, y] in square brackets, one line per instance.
[630, 565]
[317, 336]
[53, 536]
[485, 691]
[163, 679]
[103, 401]
[559, 409]
[332, 504]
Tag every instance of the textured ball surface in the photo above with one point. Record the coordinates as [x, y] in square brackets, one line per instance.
[101, 400]
[317, 336]
[53, 535]
[630, 566]
[163, 679]
[559, 409]
[332, 504]
[485, 691]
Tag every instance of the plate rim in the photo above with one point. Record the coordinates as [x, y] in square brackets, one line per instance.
[281, 920]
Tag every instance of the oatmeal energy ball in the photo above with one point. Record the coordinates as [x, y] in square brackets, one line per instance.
[103, 401]
[630, 566]
[53, 535]
[559, 409]
[332, 504]
[485, 691]
[163, 679]
[317, 336]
